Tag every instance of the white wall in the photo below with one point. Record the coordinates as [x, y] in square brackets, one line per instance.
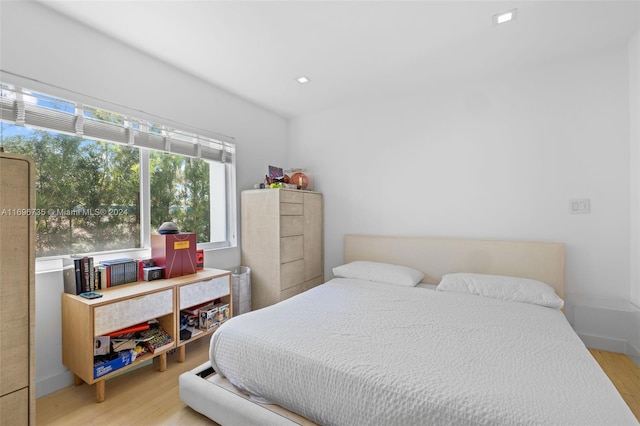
[40, 44]
[77, 59]
[634, 133]
[494, 157]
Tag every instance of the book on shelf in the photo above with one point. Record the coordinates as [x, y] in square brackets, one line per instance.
[91, 276]
[121, 271]
[96, 274]
[82, 273]
[78, 270]
[86, 281]
[157, 339]
[70, 275]
[76, 274]
[105, 278]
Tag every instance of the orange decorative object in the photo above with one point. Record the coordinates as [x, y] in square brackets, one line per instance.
[299, 179]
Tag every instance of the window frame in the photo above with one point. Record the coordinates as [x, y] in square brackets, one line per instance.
[203, 141]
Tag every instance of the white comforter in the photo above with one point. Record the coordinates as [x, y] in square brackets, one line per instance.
[353, 352]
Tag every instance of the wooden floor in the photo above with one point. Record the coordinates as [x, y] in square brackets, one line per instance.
[140, 397]
[624, 374]
[147, 397]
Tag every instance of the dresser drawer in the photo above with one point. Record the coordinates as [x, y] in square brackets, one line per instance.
[291, 274]
[290, 209]
[292, 291]
[115, 316]
[291, 197]
[14, 407]
[291, 225]
[291, 248]
[195, 294]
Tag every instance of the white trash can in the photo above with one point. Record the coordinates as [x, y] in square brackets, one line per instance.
[241, 295]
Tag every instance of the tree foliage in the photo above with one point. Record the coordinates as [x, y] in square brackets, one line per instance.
[88, 190]
[180, 193]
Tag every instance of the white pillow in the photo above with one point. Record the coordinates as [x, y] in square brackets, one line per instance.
[381, 272]
[502, 287]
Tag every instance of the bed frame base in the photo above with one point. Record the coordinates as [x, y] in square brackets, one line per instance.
[209, 394]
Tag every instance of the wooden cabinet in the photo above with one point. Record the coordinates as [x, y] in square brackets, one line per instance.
[190, 294]
[17, 306]
[130, 304]
[281, 243]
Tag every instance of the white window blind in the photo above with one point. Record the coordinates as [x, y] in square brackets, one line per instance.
[34, 109]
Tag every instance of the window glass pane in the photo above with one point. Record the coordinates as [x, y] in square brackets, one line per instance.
[87, 191]
[90, 166]
[219, 202]
[180, 193]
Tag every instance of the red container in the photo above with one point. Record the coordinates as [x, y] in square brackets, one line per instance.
[199, 259]
[175, 252]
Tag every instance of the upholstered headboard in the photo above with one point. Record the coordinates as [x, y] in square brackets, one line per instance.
[436, 257]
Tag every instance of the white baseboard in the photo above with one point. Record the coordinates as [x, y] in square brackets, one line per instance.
[52, 384]
[611, 345]
[604, 343]
[606, 324]
[634, 354]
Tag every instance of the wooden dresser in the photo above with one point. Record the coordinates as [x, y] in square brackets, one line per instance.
[17, 288]
[83, 320]
[281, 243]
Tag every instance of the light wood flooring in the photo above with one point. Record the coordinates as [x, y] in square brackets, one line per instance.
[140, 397]
[624, 374]
[147, 397]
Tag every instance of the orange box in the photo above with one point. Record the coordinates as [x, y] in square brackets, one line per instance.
[175, 252]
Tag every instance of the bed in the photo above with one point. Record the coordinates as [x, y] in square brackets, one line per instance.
[381, 344]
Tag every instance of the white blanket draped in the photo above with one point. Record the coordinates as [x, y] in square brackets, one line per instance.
[353, 352]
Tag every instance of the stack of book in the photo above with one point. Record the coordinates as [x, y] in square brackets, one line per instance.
[119, 271]
[77, 278]
[82, 275]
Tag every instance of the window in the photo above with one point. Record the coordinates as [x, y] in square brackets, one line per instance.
[105, 181]
[87, 192]
[180, 193]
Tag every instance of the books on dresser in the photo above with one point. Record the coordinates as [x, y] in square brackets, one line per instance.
[82, 273]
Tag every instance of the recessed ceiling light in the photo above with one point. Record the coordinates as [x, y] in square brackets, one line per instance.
[303, 79]
[503, 17]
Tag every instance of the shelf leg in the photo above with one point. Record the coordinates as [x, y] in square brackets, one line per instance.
[182, 353]
[163, 361]
[101, 390]
[77, 380]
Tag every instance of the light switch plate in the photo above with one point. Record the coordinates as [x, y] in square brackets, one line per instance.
[580, 206]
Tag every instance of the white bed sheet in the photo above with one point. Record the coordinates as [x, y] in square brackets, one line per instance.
[354, 352]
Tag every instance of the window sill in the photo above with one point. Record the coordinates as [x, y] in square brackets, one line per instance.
[55, 263]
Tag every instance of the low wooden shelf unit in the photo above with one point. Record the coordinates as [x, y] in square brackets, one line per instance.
[130, 304]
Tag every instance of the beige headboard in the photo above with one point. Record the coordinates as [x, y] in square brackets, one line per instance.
[436, 257]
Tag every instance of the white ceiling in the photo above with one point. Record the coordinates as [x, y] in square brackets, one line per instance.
[353, 51]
